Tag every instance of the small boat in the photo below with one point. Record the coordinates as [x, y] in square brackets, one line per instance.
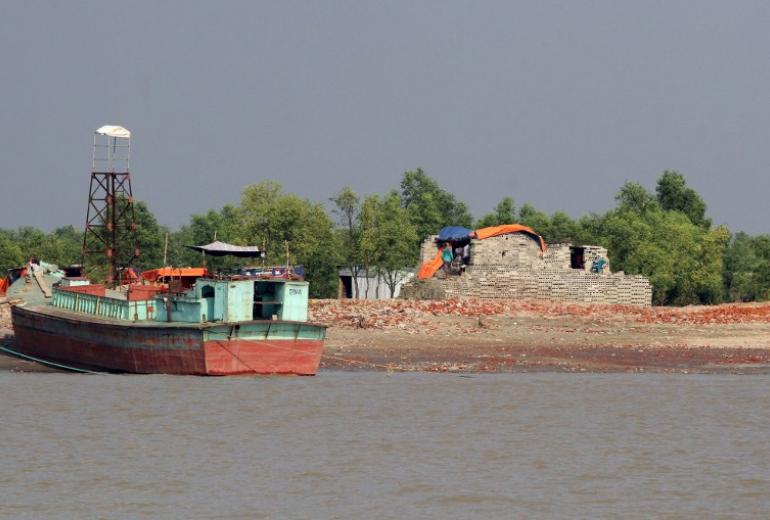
[219, 325]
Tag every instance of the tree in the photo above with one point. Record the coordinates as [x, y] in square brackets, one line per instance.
[64, 245]
[634, 197]
[11, 254]
[32, 242]
[674, 195]
[708, 279]
[347, 208]
[203, 229]
[589, 229]
[505, 213]
[537, 220]
[747, 267]
[275, 219]
[389, 241]
[741, 264]
[761, 246]
[368, 246]
[151, 238]
[683, 261]
[561, 228]
[429, 207]
[215, 225]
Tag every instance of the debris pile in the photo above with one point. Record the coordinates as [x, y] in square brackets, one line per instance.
[413, 314]
[365, 314]
[419, 315]
[706, 315]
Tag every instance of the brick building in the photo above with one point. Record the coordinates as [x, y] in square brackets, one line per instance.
[513, 266]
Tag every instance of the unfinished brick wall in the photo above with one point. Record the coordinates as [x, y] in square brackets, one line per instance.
[428, 249]
[512, 266]
[516, 250]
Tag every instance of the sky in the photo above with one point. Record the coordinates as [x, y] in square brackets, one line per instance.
[555, 103]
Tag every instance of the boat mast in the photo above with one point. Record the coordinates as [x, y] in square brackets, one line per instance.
[110, 230]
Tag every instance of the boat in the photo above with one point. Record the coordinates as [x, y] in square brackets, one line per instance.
[221, 325]
[172, 320]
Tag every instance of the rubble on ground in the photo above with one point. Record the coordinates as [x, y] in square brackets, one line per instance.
[484, 335]
[413, 314]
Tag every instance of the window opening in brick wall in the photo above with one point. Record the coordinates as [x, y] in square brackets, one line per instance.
[577, 257]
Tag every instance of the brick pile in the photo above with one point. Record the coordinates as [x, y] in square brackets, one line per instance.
[409, 314]
[416, 316]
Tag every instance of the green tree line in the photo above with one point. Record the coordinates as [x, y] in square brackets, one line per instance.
[665, 235]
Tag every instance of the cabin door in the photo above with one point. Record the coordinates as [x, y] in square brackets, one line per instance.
[207, 293]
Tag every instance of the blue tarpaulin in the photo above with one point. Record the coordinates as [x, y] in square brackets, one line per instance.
[451, 233]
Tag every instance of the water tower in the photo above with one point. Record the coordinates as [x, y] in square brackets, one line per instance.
[110, 237]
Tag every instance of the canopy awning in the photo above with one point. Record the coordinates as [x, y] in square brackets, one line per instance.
[453, 233]
[114, 131]
[218, 248]
[154, 275]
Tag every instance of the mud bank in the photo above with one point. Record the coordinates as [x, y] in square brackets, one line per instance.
[513, 358]
[514, 336]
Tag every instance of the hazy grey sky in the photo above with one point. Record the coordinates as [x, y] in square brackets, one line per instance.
[554, 103]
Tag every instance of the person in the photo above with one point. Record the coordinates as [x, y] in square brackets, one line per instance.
[599, 265]
[462, 258]
[466, 254]
[457, 252]
[447, 256]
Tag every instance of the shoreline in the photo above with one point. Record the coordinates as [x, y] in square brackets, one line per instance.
[507, 336]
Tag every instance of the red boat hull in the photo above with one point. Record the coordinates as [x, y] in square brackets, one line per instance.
[262, 357]
[67, 339]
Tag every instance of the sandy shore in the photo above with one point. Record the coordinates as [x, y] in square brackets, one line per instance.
[514, 336]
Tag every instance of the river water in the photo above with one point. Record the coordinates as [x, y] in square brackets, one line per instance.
[373, 445]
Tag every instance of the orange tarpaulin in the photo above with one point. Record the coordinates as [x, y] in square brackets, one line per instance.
[12, 276]
[173, 272]
[430, 267]
[129, 275]
[510, 228]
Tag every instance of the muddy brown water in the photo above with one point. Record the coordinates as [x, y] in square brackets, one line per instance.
[377, 445]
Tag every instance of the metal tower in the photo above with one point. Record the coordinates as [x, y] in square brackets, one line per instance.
[110, 236]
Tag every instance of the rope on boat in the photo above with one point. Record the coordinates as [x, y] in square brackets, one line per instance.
[389, 368]
[219, 342]
[47, 363]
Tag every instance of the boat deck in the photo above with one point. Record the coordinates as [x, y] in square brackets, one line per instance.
[50, 310]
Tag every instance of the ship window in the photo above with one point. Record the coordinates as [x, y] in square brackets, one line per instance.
[207, 292]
